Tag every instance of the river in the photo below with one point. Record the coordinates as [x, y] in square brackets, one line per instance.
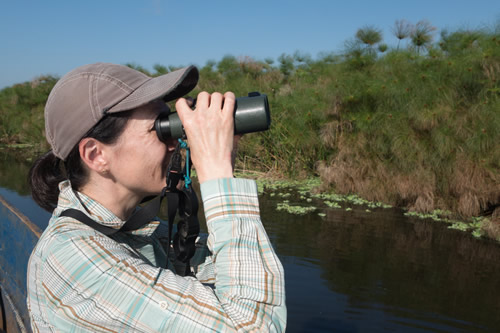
[354, 270]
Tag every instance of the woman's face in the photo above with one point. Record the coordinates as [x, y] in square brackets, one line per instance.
[138, 160]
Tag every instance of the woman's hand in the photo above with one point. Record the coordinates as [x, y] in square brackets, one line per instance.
[210, 131]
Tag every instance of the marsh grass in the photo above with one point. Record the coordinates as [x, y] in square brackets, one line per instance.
[21, 111]
[426, 130]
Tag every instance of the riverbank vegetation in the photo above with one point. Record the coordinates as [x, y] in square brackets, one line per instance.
[416, 125]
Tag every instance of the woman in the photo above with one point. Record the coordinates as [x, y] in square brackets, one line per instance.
[105, 159]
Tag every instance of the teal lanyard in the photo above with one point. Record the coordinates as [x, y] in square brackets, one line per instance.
[187, 179]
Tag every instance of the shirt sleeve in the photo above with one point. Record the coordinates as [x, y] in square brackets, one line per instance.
[93, 283]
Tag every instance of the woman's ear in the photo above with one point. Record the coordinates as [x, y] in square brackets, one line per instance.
[93, 155]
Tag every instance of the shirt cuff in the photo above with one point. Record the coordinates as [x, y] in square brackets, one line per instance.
[230, 197]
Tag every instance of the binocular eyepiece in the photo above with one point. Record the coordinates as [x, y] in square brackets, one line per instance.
[251, 114]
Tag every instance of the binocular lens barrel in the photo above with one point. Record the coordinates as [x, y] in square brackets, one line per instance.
[251, 114]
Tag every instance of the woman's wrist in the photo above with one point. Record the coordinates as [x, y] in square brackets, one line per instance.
[210, 173]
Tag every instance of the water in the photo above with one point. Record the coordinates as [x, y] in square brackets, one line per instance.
[354, 271]
[380, 271]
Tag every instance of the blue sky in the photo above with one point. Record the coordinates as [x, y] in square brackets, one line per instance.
[53, 37]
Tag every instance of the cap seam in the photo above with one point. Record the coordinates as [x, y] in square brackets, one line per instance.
[150, 92]
[113, 79]
[93, 96]
[106, 77]
[66, 81]
[47, 129]
[114, 82]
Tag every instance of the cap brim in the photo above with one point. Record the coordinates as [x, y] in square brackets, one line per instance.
[169, 86]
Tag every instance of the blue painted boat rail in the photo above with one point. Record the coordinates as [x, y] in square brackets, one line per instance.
[18, 237]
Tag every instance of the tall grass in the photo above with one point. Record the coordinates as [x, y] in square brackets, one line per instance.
[21, 111]
[426, 128]
[416, 129]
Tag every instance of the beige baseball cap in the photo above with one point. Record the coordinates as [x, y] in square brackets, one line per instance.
[86, 94]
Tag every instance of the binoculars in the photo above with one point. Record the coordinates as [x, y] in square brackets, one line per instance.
[251, 114]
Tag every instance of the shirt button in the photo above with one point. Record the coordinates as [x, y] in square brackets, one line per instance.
[163, 305]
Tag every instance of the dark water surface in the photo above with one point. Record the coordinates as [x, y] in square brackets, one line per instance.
[350, 271]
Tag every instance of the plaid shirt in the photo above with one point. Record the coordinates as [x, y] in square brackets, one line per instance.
[80, 280]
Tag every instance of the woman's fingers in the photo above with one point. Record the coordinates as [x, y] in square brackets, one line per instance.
[229, 101]
[182, 107]
[216, 101]
[203, 101]
[210, 131]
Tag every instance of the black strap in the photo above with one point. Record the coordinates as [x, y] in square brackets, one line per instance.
[173, 205]
[188, 227]
[144, 215]
[82, 217]
[141, 217]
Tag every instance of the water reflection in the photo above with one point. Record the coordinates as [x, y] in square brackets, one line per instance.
[14, 167]
[358, 271]
[348, 271]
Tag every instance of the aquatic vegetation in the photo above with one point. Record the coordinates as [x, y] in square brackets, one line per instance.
[459, 226]
[477, 224]
[299, 210]
[260, 188]
[350, 199]
[332, 204]
[434, 215]
[477, 233]
[473, 225]
[304, 191]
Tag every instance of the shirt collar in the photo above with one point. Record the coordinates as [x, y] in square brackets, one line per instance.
[77, 200]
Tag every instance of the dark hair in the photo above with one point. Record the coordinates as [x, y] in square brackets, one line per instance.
[48, 171]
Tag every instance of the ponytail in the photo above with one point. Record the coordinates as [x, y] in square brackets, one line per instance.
[47, 172]
[44, 177]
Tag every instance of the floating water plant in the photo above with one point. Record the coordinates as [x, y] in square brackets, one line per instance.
[332, 204]
[305, 189]
[298, 210]
[474, 224]
[477, 233]
[459, 226]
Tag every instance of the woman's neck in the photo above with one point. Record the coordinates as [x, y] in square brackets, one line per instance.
[117, 199]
